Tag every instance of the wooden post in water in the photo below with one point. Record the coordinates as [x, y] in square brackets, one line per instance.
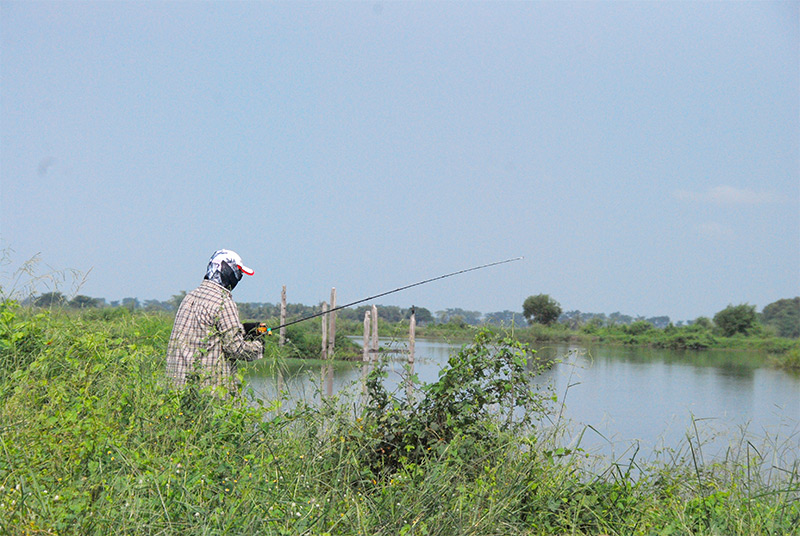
[327, 352]
[412, 328]
[365, 355]
[332, 325]
[324, 331]
[374, 332]
[282, 339]
[412, 335]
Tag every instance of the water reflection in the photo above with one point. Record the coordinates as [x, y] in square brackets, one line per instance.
[609, 398]
[656, 401]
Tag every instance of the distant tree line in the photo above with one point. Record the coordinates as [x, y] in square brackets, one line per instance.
[266, 310]
[58, 299]
[781, 317]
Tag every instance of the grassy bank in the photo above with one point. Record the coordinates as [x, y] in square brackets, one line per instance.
[640, 333]
[93, 441]
[782, 352]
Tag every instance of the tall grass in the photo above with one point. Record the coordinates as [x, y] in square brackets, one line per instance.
[94, 441]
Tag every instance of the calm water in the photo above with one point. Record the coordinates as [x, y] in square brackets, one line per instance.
[613, 401]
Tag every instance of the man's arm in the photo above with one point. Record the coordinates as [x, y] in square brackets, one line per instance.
[234, 344]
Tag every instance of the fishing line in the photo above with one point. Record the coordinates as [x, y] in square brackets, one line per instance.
[315, 315]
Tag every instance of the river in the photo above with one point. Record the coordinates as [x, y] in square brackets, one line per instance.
[619, 402]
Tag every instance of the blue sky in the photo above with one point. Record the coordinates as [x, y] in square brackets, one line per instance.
[643, 157]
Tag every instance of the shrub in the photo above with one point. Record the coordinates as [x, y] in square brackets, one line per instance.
[485, 389]
[640, 327]
[21, 338]
[738, 319]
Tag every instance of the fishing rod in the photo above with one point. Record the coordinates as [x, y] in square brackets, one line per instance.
[261, 328]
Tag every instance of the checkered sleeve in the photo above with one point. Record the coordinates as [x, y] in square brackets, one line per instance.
[234, 344]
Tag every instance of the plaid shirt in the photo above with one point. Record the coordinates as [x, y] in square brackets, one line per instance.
[208, 338]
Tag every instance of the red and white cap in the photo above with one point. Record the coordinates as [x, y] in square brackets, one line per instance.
[228, 256]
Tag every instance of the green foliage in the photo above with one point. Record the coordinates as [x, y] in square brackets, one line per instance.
[541, 309]
[685, 339]
[639, 327]
[736, 319]
[788, 360]
[93, 441]
[50, 299]
[554, 333]
[304, 341]
[700, 335]
[703, 322]
[784, 316]
[107, 314]
[485, 389]
[21, 337]
[593, 326]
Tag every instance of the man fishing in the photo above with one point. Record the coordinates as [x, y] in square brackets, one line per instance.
[208, 338]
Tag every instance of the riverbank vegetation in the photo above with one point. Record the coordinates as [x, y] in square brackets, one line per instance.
[702, 334]
[736, 328]
[775, 331]
[94, 441]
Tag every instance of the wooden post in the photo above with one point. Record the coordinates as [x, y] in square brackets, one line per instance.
[374, 332]
[365, 355]
[324, 330]
[412, 328]
[282, 339]
[331, 341]
[332, 325]
[412, 335]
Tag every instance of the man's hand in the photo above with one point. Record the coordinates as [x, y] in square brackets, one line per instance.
[254, 330]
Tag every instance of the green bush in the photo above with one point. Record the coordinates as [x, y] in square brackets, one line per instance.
[22, 336]
[484, 391]
[736, 319]
[640, 327]
[686, 340]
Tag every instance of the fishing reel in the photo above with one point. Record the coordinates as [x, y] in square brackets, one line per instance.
[254, 330]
